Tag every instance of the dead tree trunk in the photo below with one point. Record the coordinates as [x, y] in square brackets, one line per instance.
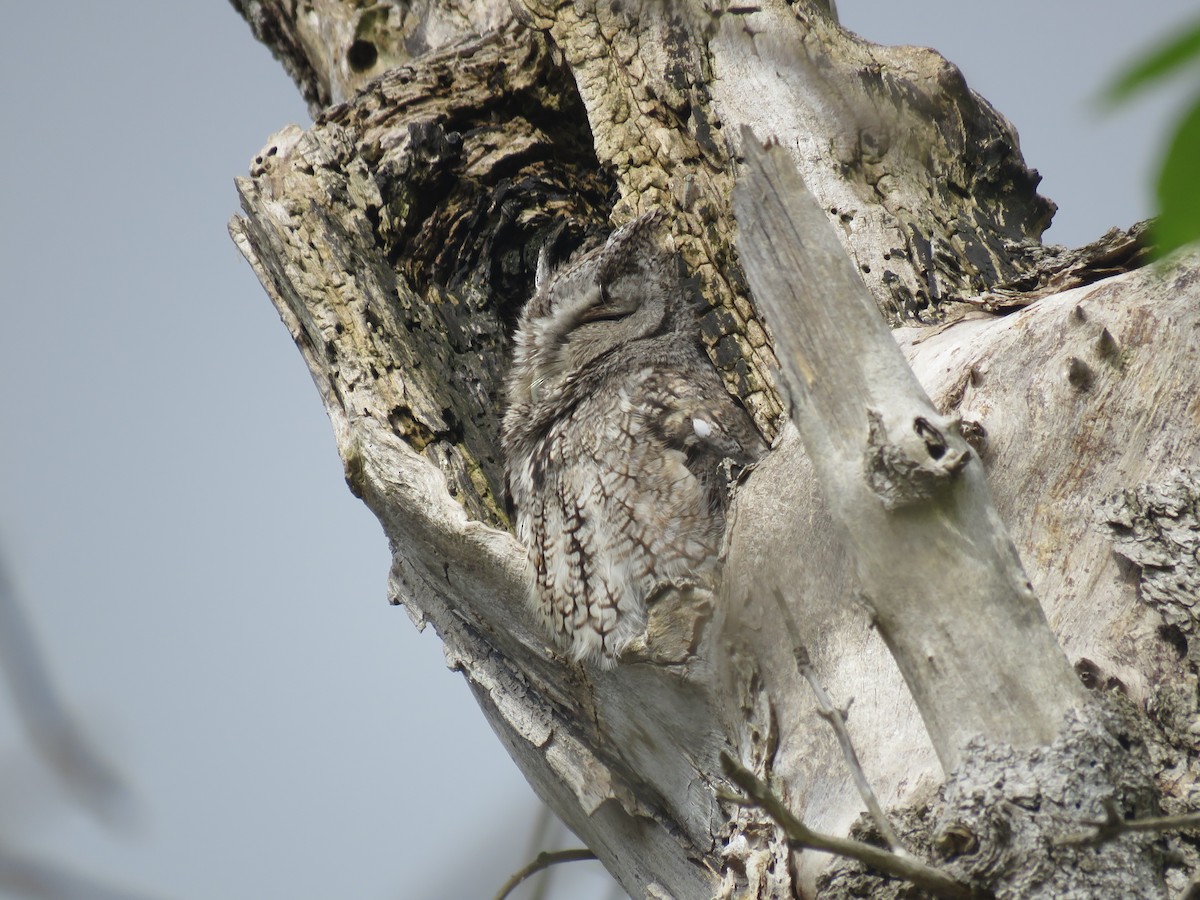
[398, 238]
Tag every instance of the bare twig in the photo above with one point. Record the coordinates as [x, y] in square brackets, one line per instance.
[53, 731]
[1112, 826]
[540, 838]
[837, 721]
[801, 836]
[542, 861]
[26, 876]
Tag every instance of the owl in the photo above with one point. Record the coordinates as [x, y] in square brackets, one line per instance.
[619, 438]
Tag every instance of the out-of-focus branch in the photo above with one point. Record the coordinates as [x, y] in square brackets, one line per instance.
[57, 736]
[29, 877]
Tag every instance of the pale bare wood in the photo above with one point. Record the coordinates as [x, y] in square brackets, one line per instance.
[943, 583]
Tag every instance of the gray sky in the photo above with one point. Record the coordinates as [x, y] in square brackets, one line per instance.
[209, 595]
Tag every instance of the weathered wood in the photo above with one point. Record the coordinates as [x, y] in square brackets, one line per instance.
[346, 226]
[332, 49]
[399, 236]
[1041, 441]
[923, 178]
[943, 583]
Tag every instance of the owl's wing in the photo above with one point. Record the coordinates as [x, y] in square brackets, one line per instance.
[698, 416]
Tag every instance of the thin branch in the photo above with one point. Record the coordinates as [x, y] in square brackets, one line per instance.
[62, 742]
[27, 876]
[1112, 826]
[801, 836]
[540, 838]
[837, 721]
[543, 861]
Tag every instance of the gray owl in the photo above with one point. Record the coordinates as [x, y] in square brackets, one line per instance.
[618, 438]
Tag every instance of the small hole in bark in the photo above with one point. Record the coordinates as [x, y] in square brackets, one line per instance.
[362, 55]
[866, 269]
[1174, 636]
[935, 444]
[454, 429]
[1078, 374]
[1106, 344]
[1088, 672]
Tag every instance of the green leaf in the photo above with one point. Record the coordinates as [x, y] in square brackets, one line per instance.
[1161, 62]
[1179, 188]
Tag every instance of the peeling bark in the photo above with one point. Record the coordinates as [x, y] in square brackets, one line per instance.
[1156, 529]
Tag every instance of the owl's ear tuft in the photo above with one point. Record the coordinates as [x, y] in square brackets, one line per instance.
[544, 270]
[641, 231]
[635, 248]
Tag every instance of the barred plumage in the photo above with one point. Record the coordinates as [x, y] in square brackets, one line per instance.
[616, 437]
